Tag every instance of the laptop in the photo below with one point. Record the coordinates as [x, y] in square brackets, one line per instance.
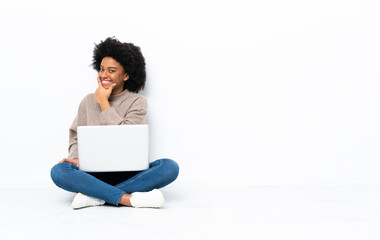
[113, 148]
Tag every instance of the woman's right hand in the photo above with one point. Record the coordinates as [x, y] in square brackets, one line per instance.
[73, 161]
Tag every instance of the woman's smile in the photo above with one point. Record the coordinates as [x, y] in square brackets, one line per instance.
[106, 82]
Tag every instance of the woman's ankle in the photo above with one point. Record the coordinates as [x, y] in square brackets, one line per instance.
[125, 200]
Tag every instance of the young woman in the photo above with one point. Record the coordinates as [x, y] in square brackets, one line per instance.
[121, 68]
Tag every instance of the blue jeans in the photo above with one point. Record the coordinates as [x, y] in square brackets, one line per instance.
[159, 174]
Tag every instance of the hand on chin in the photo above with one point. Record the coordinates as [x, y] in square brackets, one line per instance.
[103, 92]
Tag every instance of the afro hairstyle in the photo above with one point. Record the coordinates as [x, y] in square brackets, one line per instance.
[128, 55]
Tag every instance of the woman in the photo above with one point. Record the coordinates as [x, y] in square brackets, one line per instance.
[121, 68]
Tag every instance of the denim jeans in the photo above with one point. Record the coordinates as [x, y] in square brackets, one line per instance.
[159, 174]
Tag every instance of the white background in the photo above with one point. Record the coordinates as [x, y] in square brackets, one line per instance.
[251, 92]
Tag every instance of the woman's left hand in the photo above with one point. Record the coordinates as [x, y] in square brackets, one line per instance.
[72, 161]
[102, 94]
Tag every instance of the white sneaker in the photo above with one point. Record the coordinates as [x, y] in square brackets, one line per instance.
[151, 199]
[81, 201]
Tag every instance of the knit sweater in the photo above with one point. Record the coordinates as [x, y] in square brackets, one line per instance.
[126, 108]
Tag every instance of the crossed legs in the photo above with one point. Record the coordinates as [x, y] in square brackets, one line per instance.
[159, 174]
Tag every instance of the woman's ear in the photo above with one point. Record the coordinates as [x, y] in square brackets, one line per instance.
[126, 77]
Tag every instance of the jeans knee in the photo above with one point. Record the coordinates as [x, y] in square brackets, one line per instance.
[58, 172]
[54, 173]
[171, 169]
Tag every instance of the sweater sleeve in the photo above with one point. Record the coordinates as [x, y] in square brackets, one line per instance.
[134, 115]
[73, 145]
[73, 140]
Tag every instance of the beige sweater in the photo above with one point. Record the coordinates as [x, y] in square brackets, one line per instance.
[126, 108]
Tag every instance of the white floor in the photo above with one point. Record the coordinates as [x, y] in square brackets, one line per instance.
[200, 212]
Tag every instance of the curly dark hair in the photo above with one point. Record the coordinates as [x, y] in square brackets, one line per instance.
[128, 55]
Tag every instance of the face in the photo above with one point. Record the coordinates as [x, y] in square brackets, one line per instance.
[112, 72]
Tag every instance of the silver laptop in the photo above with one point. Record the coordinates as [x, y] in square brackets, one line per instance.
[113, 148]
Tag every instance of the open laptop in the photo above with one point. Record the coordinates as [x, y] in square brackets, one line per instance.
[113, 148]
